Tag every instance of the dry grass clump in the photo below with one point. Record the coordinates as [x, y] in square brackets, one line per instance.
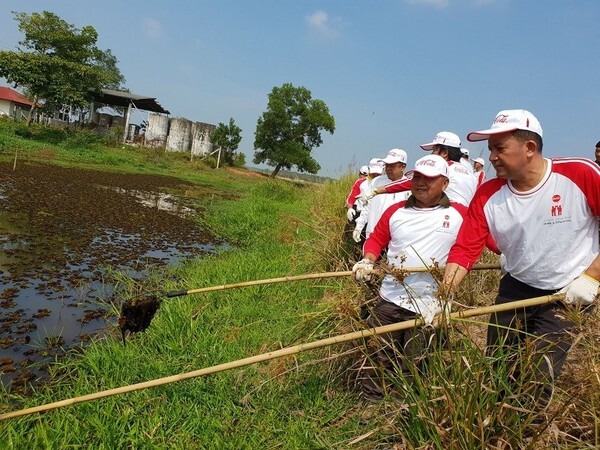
[463, 398]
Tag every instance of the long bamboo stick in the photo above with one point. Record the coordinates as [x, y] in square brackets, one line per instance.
[279, 353]
[310, 276]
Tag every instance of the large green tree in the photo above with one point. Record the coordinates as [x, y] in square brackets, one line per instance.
[58, 63]
[228, 137]
[290, 128]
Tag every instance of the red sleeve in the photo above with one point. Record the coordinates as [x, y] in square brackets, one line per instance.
[489, 243]
[480, 178]
[585, 174]
[398, 186]
[351, 199]
[474, 233]
[381, 236]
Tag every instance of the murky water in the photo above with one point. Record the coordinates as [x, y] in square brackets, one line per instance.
[62, 232]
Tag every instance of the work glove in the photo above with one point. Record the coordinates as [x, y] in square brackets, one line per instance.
[583, 290]
[363, 270]
[356, 235]
[350, 214]
[367, 197]
[435, 317]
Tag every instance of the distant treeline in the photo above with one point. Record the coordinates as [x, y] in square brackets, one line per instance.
[294, 175]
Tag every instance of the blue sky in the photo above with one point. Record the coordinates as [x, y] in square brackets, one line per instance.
[392, 72]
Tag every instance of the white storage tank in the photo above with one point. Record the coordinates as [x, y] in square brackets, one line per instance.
[157, 130]
[201, 144]
[180, 135]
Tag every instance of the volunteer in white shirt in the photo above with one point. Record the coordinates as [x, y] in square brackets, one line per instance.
[395, 163]
[416, 232]
[543, 214]
[462, 185]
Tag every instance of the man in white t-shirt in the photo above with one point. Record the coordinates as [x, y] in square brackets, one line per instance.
[354, 207]
[417, 232]
[478, 164]
[543, 215]
[464, 159]
[462, 185]
[395, 163]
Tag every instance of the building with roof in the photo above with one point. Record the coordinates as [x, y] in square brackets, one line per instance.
[14, 104]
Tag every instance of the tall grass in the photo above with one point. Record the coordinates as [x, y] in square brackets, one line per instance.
[460, 400]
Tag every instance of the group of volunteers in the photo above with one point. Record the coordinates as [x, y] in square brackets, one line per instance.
[540, 214]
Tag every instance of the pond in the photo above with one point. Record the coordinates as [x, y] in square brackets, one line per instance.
[63, 232]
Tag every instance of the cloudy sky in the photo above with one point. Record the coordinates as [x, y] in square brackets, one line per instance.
[393, 72]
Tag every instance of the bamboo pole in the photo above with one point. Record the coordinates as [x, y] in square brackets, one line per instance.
[280, 353]
[310, 276]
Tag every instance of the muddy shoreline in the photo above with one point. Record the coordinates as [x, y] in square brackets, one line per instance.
[64, 233]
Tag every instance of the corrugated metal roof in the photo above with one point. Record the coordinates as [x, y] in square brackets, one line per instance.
[122, 98]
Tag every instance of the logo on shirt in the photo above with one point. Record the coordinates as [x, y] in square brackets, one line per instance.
[446, 222]
[556, 209]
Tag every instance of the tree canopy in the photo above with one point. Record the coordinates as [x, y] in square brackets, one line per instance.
[59, 63]
[228, 137]
[290, 128]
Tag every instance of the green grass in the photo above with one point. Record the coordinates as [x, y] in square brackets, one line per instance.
[302, 401]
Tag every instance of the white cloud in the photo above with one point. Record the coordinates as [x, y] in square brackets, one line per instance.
[322, 26]
[152, 28]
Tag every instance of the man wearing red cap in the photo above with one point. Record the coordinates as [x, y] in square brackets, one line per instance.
[543, 215]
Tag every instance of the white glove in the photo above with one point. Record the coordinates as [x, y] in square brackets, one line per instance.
[363, 270]
[428, 316]
[583, 290]
[350, 214]
[356, 235]
[367, 197]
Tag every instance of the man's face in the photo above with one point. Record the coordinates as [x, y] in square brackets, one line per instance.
[395, 171]
[597, 153]
[427, 191]
[509, 156]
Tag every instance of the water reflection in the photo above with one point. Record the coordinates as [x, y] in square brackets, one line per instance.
[61, 230]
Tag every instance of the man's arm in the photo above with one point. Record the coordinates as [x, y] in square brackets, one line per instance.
[453, 276]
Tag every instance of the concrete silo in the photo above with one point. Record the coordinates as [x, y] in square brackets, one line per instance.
[157, 130]
[180, 135]
[201, 144]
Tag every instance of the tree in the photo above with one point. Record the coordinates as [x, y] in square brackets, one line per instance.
[62, 64]
[290, 128]
[228, 138]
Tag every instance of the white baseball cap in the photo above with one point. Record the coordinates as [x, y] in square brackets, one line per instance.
[375, 166]
[508, 120]
[431, 166]
[364, 170]
[480, 161]
[395, 155]
[465, 151]
[443, 138]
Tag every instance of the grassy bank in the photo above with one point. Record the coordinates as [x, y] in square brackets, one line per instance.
[308, 400]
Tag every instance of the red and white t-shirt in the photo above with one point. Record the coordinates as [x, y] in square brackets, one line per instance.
[480, 176]
[461, 183]
[354, 192]
[415, 237]
[373, 210]
[548, 236]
